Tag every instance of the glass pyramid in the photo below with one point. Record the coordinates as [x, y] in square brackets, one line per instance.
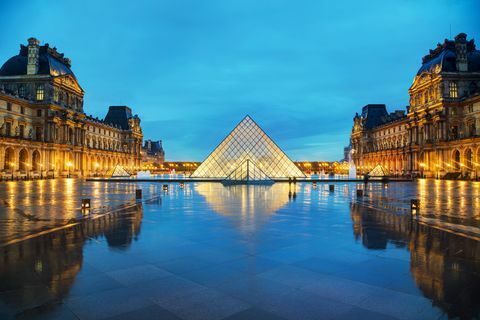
[247, 141]
[117, 172]
[247, 172]
[378, 171]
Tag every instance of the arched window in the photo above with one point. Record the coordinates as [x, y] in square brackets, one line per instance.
[453, 90]
[456, 160]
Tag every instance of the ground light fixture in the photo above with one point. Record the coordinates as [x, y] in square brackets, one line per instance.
[86, 204]
[414, 206]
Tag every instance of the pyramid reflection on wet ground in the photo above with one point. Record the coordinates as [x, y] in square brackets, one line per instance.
[247, 141]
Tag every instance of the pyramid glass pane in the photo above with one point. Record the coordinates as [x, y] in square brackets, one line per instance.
[247, 141]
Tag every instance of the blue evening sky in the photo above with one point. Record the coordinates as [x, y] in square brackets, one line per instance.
[193, 69]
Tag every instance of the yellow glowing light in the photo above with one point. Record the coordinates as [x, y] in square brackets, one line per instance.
[69, 164]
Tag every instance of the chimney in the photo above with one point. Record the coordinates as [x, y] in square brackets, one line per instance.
[461, 52]
[33, 56]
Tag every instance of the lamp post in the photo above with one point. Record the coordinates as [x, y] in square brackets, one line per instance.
[53, 171]
[12, 165]
[69, 164]
[27, 166]
[96, 169]
[422, 165]
[41, 171]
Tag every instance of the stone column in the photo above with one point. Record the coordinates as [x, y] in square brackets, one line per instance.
[2, 158]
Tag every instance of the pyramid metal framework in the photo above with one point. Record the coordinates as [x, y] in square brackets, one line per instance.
[247, 141]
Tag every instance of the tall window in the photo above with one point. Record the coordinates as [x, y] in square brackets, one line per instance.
[55, 95]
[40, 92]
[453, 89]
[21, 91]
[8, 129]
[38, 133]
[21, 131]
[9, 106]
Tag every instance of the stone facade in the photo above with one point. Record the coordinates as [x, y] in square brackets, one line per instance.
[439, 135]
[153, 153]
[44, 130]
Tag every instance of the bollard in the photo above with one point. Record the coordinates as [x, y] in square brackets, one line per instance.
[359, 193]
[138, 194]
[331, 188]
[86, 204]
[165, 187]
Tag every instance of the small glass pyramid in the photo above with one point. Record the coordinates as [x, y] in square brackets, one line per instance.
[248, 173]
[378, 171]
[118, 172]
[247, 141]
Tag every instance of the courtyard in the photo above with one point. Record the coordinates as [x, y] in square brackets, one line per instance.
[207, 251]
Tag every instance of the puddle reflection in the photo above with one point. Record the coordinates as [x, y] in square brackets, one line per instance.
[444, 266]
[42, 270]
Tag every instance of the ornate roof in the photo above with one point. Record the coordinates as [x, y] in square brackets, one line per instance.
[118, 116]
[51, 62]
[443, 57]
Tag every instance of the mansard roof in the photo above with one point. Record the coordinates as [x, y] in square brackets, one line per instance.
[375, 115]
[51, 62]
[443, 57]
[119, 115]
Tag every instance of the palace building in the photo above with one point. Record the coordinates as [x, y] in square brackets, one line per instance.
[44, 130]
[439, 134]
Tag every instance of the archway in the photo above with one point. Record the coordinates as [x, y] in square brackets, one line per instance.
[36, 165]
[22, 160]
[9, 159]
[456, 160]
[469, 159]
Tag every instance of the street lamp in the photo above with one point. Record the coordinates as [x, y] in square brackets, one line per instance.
[422, 165]
[28, 170]
[69, 164]
[12, 165]
[96, 168]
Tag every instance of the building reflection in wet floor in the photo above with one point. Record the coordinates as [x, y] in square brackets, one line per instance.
[211, 252]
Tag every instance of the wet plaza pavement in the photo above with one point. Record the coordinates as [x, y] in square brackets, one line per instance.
[206, 251]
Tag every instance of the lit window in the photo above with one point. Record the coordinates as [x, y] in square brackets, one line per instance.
[453, 90]
[40, 92]
[55, 95]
